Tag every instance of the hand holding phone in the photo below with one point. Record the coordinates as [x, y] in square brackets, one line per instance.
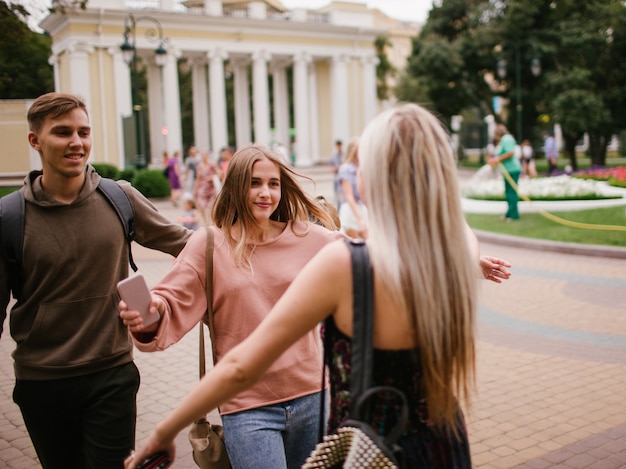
[158, 460]
[135, 293]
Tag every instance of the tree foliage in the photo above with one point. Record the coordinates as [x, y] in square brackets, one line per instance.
[384, 69]
[62, 6]
[24, 68]
[579, 47]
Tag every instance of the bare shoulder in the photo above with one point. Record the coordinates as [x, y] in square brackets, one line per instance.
[335, 256]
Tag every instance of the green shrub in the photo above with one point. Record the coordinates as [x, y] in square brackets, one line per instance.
[151, 183]
[106, 170]
[128, 174]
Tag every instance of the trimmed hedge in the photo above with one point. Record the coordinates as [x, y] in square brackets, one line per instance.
[151, 183]
[107, 170]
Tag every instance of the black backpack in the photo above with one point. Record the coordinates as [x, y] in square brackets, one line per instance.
[12, 226]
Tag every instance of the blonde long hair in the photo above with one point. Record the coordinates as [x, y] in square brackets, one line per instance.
[231, 205]
[352, 151]
[418, 245]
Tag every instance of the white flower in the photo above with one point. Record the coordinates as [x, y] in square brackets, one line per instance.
[558, 187]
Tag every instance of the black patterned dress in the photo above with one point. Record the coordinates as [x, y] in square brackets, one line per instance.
[424, 445]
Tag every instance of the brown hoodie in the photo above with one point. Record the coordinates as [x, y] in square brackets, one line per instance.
[67, 322]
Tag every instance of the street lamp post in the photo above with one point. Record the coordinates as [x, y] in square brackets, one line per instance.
[535, 69]
[129, 50]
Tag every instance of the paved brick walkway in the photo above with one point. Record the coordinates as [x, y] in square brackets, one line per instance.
[551, 386]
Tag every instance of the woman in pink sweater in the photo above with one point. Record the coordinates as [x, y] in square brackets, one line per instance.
[263, 238]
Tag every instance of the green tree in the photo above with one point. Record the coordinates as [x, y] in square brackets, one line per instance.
[24, 68]
[450, 60]
[578, 46]
[588, 75]
[384, 69]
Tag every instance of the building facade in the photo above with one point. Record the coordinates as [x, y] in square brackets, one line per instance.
[322, 66]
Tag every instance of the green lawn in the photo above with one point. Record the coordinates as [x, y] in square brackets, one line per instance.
[7, 190]
[472, 162]
[534, 225]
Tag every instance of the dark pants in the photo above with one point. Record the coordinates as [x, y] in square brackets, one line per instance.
[86, 422]
[511, 196]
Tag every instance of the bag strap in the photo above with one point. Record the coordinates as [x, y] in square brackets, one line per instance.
[362, 347]
[210, 240]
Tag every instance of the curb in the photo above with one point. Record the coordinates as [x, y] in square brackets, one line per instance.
[593, 250]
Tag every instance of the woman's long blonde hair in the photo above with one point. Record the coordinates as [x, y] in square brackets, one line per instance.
[417, 239]
[231, 205]
[352, 151]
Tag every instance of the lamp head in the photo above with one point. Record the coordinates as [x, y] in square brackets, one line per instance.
[160, 55]
[128, 50]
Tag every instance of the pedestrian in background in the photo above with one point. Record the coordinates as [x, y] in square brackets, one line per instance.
[189, 218]
[528, 159]
[192, 160]
[509, 166]
[206, 187]
[174, 178]
[352, 212]
[335, 161]
[75, 379]
[551, 151]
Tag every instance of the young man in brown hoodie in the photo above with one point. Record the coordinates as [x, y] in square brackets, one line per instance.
[76, 382]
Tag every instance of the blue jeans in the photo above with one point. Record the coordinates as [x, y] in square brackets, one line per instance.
[280, 436]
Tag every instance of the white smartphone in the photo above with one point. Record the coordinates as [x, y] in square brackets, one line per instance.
[135, 293]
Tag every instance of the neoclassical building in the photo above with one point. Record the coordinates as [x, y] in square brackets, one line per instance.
[330, 53]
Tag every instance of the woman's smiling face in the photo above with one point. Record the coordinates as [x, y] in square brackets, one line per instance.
[264, 193]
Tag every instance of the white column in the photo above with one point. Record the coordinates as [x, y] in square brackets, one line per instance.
[214, 7]
[369, 87]
[339, 92]
[80, 81]
[123, 99]
[174, 137]
[257, 10]
[243, 132]
[200, 105]
[168, 5]
[217, 91]
[157, 114]
[54, 61]
[260, 97]
[314, 127]
[281, 102]
[301, 104]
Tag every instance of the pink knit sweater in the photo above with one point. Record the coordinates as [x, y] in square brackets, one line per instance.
[241, 299]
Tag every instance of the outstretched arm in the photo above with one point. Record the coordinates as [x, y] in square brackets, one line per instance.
[312, 296]
[495, 269]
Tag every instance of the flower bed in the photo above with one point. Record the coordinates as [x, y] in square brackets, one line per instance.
[615, 176]
[541, 189]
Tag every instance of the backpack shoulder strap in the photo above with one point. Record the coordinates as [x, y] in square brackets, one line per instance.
[12, 208]
[118, 199]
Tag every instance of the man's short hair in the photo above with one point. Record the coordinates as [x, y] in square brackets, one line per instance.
[52, 105]
[338, 142]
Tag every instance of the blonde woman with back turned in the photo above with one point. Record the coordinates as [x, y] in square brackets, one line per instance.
[424, 258]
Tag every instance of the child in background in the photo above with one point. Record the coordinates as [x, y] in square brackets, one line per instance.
[189, 218]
